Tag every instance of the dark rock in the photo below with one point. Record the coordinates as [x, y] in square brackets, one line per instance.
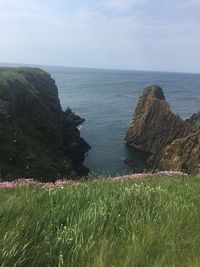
[194, 120]
[34, 131]
[71, 116]
[129, 162]
[173, 142]
[4, 105]
[31, 157]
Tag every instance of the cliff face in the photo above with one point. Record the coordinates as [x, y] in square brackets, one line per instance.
[195, 121]
[181, 155]
[37, 138]
[172, 141]
[154, 125]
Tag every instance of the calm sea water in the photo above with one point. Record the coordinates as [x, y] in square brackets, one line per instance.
[107, 99]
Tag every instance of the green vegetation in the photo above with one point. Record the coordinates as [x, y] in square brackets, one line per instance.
[37, 138]
[17, 73]
[143, 222]
[25, 147]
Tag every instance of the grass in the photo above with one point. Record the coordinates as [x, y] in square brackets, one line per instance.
[144, 222]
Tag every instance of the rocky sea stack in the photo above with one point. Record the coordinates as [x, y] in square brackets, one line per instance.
[37, 138]
[173, 143]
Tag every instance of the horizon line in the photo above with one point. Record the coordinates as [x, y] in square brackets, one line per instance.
[95, 68]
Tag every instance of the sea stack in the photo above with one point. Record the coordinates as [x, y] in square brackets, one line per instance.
[156, 129]
[38, 139]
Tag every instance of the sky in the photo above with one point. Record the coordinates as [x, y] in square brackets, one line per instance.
[160, 35]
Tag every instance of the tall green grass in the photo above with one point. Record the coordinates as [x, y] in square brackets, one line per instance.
[151, 222]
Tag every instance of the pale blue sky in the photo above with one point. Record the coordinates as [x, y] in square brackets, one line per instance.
[118, 34]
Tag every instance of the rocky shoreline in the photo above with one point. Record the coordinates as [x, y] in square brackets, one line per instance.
[41, 141]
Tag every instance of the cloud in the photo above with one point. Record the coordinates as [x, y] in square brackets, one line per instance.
[78, 35]
[121, 4]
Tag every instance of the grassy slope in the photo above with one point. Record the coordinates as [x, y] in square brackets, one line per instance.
[154, 222]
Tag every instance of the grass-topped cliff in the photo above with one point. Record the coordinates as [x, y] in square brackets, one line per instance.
[37, 139]
[144, 222]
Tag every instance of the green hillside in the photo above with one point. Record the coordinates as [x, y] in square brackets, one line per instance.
[139, 222]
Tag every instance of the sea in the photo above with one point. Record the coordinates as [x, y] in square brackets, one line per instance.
[107, 100]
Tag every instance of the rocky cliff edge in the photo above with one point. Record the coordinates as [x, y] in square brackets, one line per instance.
[37, 139]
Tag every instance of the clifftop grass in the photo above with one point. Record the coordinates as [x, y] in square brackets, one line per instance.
[18, 73]
[143, 222]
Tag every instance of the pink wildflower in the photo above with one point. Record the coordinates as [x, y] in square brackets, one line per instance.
[172, 173]
[7, 184]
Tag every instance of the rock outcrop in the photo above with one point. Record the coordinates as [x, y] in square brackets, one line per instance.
[172, 141]
[181, 155]
[72, 117]
[195, 121]
[37, 138]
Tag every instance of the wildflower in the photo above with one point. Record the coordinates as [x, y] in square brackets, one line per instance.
[7, 184]
[172, 173]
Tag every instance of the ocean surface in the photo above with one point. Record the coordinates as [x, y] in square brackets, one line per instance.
[107, 99]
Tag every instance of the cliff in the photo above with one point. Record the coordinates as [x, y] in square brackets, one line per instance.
[37, 138]
[154, 125]
[195, 121]
[172, 141]
[181, 155]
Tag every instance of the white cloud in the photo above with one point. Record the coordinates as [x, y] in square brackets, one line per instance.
[37, 33]
[121, 4]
